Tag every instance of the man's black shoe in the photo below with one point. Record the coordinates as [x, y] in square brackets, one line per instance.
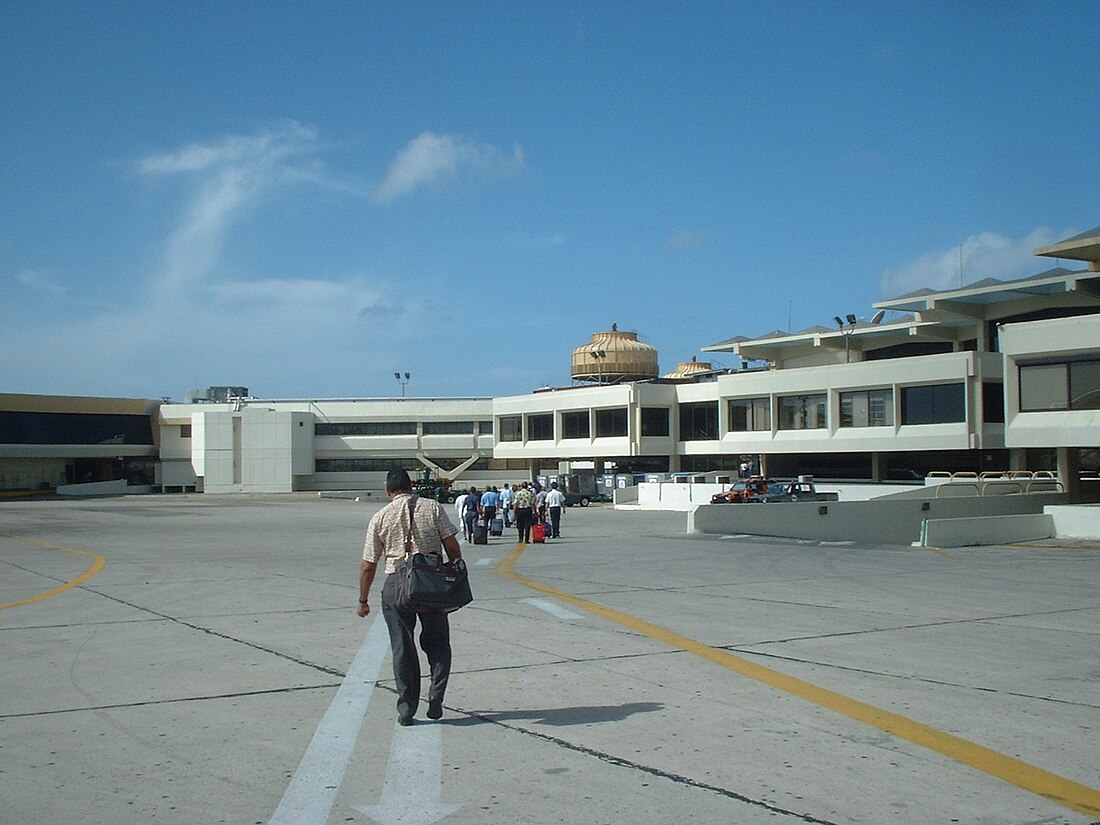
[435, 709]
[404, 721]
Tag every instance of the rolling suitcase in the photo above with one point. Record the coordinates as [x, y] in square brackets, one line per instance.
[496, 527]
[538, 534]
[481, 533]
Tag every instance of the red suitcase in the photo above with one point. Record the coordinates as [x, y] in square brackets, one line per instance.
[538, 534]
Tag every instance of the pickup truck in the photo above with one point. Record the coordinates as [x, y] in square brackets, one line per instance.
[797, 491]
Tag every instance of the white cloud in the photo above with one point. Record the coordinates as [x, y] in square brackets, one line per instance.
[433, 160]
[985, 255]
[41, 281]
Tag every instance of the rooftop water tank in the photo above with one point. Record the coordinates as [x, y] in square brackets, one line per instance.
[690, 369]
[613, 357]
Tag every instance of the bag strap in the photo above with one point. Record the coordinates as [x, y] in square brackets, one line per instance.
[409, 532]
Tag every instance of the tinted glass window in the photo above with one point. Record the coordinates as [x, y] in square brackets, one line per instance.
[933, 404]
[699, 422]
[74, 428]
[575, 424]
[511, 428]
[540, 427]
[802, 412]
[655, 421]
[1084, 385]
[1044, 387]
[611, 423]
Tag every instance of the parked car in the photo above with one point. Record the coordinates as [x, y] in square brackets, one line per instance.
[745, 489]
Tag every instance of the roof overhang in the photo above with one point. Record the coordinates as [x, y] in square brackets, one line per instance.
[1083, 247]
[975, 300]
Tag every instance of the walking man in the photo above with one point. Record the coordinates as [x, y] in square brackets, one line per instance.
[525, 509]
[555, 500]
[409, 525]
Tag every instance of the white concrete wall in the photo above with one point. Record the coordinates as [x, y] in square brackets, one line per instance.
[1075, 521]
[883, 521]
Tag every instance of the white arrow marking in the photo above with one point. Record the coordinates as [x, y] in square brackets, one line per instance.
[554, 608]
[412, 791]
[309, 797]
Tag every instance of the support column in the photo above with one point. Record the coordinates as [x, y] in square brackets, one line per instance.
[764, 465]
[1069, 460]
[1017, 458]
[879, 467]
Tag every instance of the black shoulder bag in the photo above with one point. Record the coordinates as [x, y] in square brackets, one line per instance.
[427, 583]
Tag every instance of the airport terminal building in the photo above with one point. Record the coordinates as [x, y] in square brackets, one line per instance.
[996, 375]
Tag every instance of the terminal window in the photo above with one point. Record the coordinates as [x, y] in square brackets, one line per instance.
[1069, 385]
[933, 404]
[750, 414]
[699, 422]
[365, 428]
[511, 428]
[540, 427]
[802, 412]
[611, 423]
[655, 421]
[575, 424]
[870, 408]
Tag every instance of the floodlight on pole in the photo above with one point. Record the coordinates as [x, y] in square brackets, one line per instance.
[600, 355]
[397, 375]
[846, 333]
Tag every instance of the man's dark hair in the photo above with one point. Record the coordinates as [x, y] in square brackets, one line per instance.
[398, 481]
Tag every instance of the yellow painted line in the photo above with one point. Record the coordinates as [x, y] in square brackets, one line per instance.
[1057, 789]
[98, 563]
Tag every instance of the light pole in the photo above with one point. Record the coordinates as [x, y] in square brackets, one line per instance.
[599, 355]
[397, 375]
[846, 332]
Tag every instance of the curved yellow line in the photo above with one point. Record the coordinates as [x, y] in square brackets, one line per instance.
[1057, 789]
[98, 563]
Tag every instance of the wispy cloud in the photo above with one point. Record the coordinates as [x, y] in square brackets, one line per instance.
[40, 281]
[431, 159]
[232, 174]
[688, 239]
[985, 255]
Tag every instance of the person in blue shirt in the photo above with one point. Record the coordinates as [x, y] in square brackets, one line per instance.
[490, 500]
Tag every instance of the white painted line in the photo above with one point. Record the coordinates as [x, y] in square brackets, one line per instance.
[312, 791]
[483, 562]
[554, 609]
[835, 543]
[412, 792]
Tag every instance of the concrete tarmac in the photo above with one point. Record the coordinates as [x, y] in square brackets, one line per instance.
[197, 659]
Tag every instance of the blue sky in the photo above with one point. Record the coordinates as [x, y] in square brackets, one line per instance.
[304, 198]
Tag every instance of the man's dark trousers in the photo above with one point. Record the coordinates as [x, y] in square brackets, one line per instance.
[555, 522]
[435, 639]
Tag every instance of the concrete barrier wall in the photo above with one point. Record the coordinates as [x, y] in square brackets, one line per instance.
[1075, 521]
[883, 521]
[681, 496]
[965, 532]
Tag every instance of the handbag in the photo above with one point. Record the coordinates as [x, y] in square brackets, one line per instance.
[428, 584]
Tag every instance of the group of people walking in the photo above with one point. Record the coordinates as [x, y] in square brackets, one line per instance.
[523, 505]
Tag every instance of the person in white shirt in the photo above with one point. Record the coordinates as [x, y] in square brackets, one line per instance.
[460, 504]
[555, 500]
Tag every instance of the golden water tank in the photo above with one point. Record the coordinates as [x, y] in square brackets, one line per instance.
[613, 357]
[690, 369]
